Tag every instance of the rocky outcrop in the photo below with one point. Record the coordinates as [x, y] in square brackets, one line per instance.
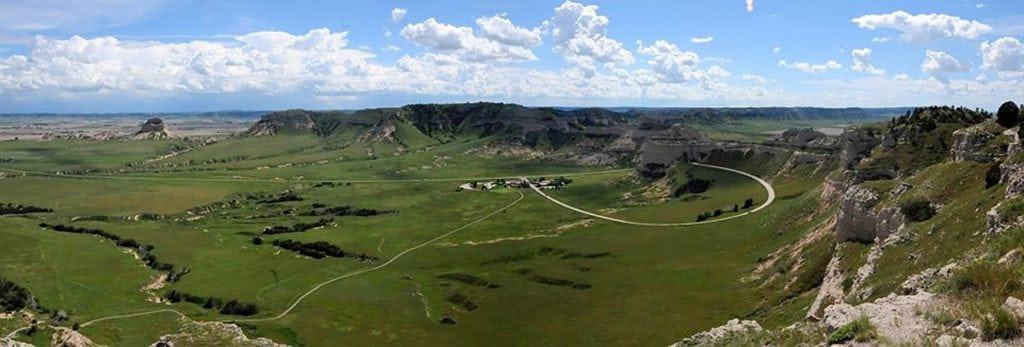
[69, 338]
[856, 144]
[152, 129]
[859, 220]
[281, 122]
[194, 333]
[898, 319]
[720, 334]
[805, 138]
[973, 143]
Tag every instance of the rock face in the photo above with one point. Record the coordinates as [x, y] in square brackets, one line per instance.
[717, 335]
[152, 129]
[858, 220]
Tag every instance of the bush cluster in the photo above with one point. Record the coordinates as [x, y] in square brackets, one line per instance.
[297, 228]
[14, 297]
[917, 210]
[319, 250]
[231, 307]
[21, 209]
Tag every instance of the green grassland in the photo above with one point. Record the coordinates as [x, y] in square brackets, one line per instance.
[558, 277]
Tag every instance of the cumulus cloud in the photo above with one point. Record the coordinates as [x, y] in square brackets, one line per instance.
[1005, 55]
[580, 35]
[924, 27]
[750, 5]
[705, 39]
[777, 49]
[257, 61]
[940, 64]
[501, 29]
[673, 65]
[811, 68]
[882, 39]
[463, 42]
[391, 48]
[398, 14]
[862, 62]
[901, 77]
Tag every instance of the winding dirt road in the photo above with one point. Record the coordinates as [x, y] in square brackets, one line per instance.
[768, 187]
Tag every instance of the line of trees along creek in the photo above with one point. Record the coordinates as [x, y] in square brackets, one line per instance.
[144, 251]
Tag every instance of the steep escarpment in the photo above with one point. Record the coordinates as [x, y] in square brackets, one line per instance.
[925, 214]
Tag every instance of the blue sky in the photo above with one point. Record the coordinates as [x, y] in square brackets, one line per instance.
[119, 55]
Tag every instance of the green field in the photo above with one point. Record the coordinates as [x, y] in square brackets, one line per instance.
[550, 276]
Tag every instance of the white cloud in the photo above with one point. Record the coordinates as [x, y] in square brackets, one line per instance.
[901, 77]
[811, 68]
[391, 48]
[750, 5]
[705, 39]
[862, 62]
[882, 39]
[387, 33]
[669, 64]
[265, 61]
[501, 29]
[398, 14]
[1005, 55]
[777, 49]
[580, 35]
[924, 27]
[940, 64]
[753, 77]
[980, 5]
[461, 41]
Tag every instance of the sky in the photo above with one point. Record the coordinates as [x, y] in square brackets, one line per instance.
[160, 56]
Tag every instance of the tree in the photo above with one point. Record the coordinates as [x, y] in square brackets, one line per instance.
[748, 203]
[1008, 115]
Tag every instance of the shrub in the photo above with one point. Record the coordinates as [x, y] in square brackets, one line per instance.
[999, 325]
[917, 210]
[985, 279]
[993, 176]
[693, 186]
[14, 297]
[748, 203]
[1008, 115]
[1010, 209]
[859, 330]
